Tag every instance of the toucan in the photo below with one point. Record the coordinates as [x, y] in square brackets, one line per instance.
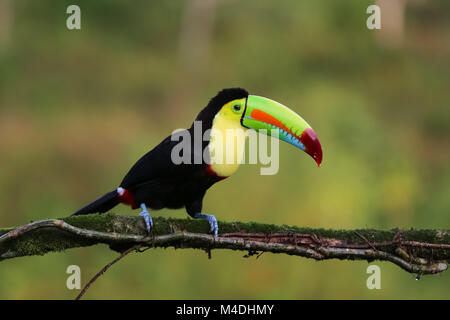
[158, 181]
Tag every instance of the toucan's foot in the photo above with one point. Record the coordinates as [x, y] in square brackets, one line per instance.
[146, 215]
[212, 222]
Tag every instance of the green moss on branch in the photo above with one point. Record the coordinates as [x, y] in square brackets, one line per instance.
[414, 248]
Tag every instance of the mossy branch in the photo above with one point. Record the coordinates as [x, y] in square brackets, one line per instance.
[416, 251]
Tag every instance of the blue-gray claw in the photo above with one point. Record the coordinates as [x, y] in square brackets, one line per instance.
[147, 218]
[212, 222]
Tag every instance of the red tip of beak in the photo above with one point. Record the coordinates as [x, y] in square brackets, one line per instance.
[312, 145]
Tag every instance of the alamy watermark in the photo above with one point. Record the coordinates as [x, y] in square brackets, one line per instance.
[73, 22]
[374, 20]
[74, 280]
[226, 147]
[374, 280]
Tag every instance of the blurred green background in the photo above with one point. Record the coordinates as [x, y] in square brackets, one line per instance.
[77, 108]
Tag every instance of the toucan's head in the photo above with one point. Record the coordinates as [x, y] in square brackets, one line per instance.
[263, 115]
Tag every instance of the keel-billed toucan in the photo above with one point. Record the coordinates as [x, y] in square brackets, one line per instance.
[157, 182]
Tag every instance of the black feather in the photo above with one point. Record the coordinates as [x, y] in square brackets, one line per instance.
[102, 204]
[215, 104]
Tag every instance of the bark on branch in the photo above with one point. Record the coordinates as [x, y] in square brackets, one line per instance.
[416, 251]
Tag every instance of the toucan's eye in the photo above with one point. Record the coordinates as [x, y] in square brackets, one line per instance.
[236, 108]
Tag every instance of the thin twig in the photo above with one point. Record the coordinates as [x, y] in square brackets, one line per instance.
[105, 268]
[367, 241]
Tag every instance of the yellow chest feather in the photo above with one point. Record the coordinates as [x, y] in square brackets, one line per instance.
[227, 145]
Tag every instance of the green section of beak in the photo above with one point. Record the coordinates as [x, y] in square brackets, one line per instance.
[263, 115]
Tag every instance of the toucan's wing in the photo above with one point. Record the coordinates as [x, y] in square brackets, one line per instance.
[152, 165]
[155, 164]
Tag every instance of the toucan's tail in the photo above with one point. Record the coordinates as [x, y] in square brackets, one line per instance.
[102, 204]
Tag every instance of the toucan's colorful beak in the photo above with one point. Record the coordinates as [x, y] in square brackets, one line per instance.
[312, 145]
[263, 115]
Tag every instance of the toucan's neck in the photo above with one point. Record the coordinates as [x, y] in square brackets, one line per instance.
[227, 145]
